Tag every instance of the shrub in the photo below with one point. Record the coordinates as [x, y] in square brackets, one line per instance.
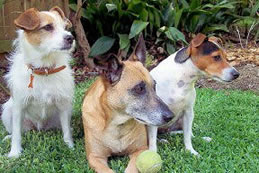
[114, 23]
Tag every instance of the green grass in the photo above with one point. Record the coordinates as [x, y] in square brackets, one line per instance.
[229, 117]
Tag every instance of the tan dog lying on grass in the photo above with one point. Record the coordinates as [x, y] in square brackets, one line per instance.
[117, 106]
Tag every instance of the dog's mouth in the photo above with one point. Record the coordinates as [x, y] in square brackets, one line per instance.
[220, 80]
[66, 47]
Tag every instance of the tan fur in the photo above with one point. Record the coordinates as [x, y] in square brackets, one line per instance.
[32, 21]
[29, 20]
[34, 37]
[107, 131]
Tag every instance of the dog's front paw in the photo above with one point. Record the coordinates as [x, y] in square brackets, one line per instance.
[193, 152]
[69, 143]
[14, 154]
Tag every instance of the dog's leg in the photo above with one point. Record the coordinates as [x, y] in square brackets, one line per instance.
[152, 138]
[16, 147]
[65, 118]
[187, 130]
[7, 115]
[99, 164]
[131, 168]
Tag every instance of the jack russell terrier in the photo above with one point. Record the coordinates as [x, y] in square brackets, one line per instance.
[176, 76]
[40, 79]
[116, 108]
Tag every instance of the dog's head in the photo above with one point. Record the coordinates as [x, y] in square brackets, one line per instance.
[130, 88]
[46, 30]
[210, 58]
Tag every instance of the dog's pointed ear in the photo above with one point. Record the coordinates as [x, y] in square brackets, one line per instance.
[60, 12]
[216, 41]
[29, 20]
[139, 53]
[196, 42]
[110, 68]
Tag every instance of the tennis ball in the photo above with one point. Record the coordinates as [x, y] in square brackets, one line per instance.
[149, 162]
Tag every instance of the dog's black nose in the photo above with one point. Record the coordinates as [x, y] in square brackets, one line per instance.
[235, 74]
[69, 39]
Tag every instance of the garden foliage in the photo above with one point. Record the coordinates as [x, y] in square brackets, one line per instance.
[114, 23]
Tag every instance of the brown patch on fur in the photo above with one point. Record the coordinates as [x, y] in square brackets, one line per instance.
[29, 20]
[207, 63]
[34, 37]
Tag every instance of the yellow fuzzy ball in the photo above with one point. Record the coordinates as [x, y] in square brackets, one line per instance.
[149, 162]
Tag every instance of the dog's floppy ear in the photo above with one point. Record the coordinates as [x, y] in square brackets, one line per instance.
[29, 20]
[110, 68]
[196, 42]
[139, 53]
[62, 15]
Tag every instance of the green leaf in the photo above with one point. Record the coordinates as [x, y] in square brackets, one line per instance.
[124, 41]
[143, 15]
[170, 48]
[136, 27]
[157, 18]
[102, 45]
[175, 35]
[111, 7]
[213, 28]
[177, 17]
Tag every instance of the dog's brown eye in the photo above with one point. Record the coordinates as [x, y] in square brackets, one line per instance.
[217, 58]
[140, 88]
[48, 27]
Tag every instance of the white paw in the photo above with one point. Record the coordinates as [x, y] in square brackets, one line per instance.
[208, 139]
[14, 154]
[194, 152]
[69, 143]
[163, 140]
[176, 132]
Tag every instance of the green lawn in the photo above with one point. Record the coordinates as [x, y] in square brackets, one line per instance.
[231, 118]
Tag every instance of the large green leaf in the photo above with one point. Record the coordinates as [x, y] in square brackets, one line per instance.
[177, 17]
[213, 28]
[175, 35]
[102, 45]
[124, 41]
[136, 27]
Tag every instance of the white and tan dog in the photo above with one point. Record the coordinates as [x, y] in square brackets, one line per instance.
[176, 75]
[40, 78]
